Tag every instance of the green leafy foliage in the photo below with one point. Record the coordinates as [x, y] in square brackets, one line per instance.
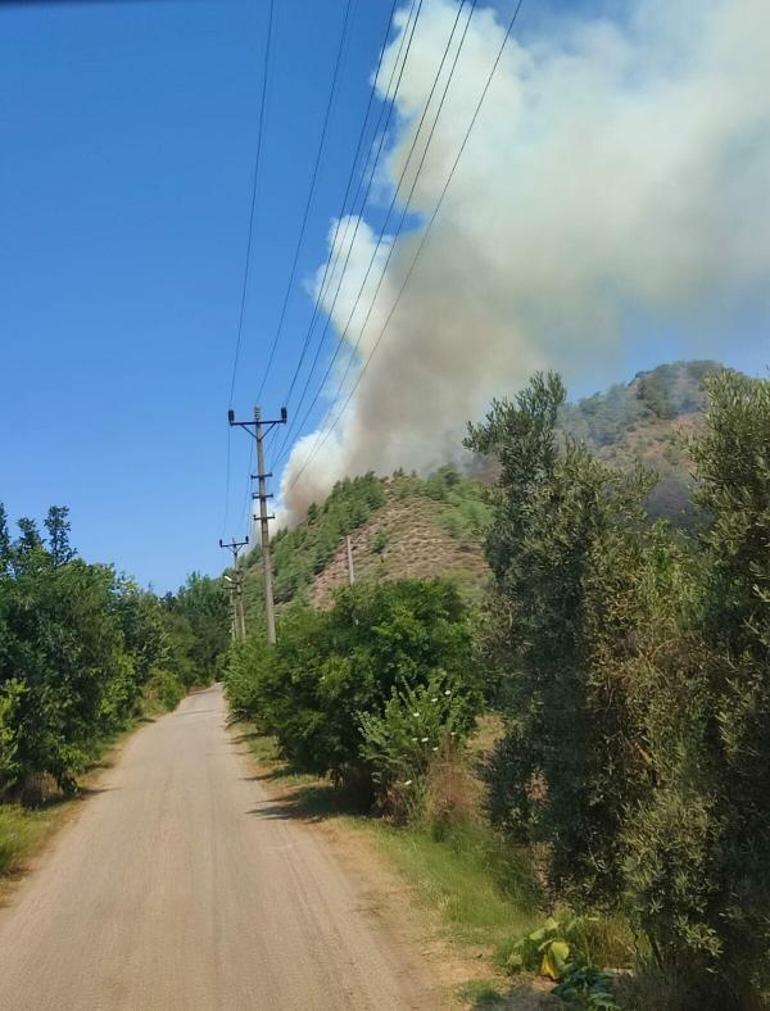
[379, 541]
[584, 986]
[79, 648]
[558, 951]
[163, 691]
[544, 950]
[334, 673]
[415, 728]
[196, 621]
[566, 535]
[634, 668]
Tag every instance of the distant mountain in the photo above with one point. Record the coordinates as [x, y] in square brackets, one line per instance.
[648, 420]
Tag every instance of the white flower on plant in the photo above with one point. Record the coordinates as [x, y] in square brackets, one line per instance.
[447, 692]
[414, 740]
[436, 748]
[423, 740]
[435, 699]
[408, 782]
[416, 715]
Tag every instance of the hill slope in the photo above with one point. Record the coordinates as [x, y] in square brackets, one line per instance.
[406, 526]
[648, 421]
[401, 526]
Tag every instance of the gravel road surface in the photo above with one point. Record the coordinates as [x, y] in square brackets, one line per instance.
[180, 885]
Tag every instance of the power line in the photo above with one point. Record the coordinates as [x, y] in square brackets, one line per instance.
[310, 195]
[423, 240]
[254, 185]
[400, 64]
[244, 286]
[351, 176]
[404, 212]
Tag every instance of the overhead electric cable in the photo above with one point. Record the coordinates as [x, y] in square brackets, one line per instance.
[310, 195]
[404, 212]
[390, 106]
[341, 215]
[252, 208]
[399, 227]
[421, 245]
[254, 186]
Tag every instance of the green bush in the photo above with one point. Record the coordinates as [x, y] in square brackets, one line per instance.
[402, 740]
[379, 541]
[332, 670]
[163, 691]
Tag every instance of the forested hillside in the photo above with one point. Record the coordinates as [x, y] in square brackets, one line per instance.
[405, 526]
[647, 421]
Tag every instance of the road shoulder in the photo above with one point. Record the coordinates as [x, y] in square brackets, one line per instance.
[463, 976]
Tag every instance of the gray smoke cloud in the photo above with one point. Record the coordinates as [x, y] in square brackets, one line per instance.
[619, 169]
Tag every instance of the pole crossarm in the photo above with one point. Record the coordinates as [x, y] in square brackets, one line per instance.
[236, 588]
[234, 547]
[258, 428]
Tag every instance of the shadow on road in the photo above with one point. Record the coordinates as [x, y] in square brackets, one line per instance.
[308, 803]
[271, 776]
[244, 738]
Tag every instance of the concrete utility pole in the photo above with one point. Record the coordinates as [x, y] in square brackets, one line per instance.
[351, 570]
[259, 429]
[236, 589]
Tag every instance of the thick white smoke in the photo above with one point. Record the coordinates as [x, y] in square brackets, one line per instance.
[618, 170]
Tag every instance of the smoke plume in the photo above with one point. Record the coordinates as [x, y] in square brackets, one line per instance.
[619, 171]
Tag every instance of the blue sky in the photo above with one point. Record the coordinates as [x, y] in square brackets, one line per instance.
[128, 135]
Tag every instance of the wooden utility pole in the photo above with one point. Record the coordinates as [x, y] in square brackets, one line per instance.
[239, 609]
[263, 524]
[259, 429]
[351, 570]
[236, 588]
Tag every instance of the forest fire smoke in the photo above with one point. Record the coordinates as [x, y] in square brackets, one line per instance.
[617, 179]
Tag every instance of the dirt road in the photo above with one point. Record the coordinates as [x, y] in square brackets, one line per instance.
[181, 887]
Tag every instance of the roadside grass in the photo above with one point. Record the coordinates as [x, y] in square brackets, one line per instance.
[21, 830]
[479, 891]
[481, 898]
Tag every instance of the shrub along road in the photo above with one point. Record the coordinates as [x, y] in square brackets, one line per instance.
[179, 886]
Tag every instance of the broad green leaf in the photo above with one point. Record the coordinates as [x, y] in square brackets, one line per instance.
[554, 959]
